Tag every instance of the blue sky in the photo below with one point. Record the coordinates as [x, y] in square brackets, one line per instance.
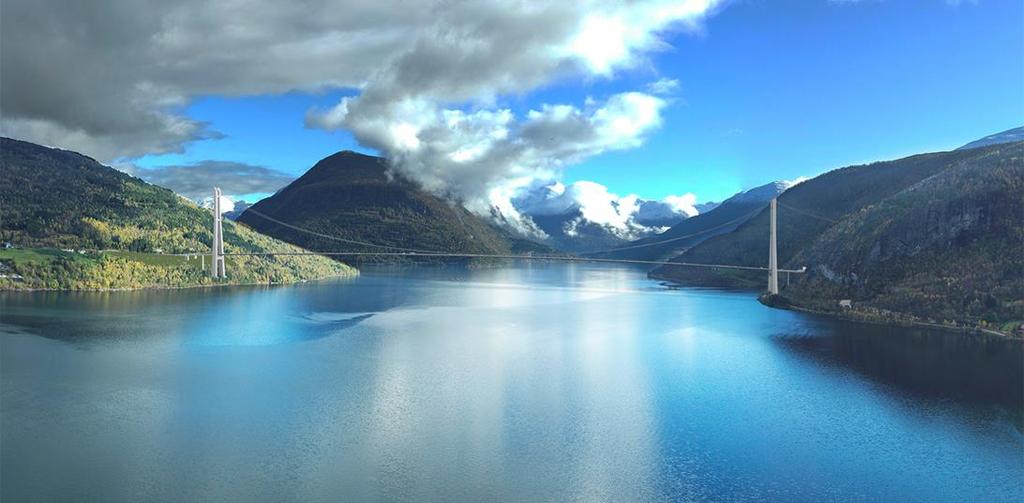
[768, 90]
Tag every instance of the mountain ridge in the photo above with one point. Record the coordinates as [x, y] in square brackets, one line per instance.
[1009, 136]
[355, 197]
[812, 214]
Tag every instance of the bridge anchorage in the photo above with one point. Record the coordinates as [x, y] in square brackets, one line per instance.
[218, 270]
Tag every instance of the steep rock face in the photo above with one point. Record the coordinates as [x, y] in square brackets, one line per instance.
[355, 197]
[950, 247]
[806, 211]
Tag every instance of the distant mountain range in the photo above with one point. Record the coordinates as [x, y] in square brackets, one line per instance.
[720, 219]
[74, 223]
[572, 231]
[354, 197]
[240, 207]
[934, 237]
[585, 217]
[1009, 136]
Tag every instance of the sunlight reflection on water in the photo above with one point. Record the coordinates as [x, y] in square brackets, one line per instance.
[520, 383]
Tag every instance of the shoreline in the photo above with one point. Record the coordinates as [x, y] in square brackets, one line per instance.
[901, 320]
[355, 273]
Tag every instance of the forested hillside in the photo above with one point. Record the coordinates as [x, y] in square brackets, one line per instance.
[353, 197]
[935, 236]
[120, 229]
[949, 248]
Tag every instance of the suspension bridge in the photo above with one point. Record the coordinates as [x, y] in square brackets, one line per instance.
[218, 267]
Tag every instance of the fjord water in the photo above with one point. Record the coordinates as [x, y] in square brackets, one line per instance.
[546, 383]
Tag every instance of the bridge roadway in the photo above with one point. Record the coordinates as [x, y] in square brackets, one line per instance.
[773, 271]
[561, 258]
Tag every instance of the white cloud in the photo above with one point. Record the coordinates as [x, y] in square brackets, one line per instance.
[625, 216]
[194, 181]
[111, 78]
[796, 181]
[684, 204]
[227, 204]
[663, 87]
[474, 155]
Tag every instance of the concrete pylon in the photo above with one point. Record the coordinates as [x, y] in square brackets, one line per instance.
[773, 261]
[217, 269]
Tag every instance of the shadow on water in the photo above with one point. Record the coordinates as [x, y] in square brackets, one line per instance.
[305, 311]
[334, 325]
[937, 364]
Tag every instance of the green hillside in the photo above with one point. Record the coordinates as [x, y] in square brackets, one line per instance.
[353, 196]
[934, 237]
[122, 230]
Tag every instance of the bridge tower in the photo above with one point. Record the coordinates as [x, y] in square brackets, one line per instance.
[217, 269]
[773, 261]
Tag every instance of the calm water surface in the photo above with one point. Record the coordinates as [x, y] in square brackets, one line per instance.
[551, 383]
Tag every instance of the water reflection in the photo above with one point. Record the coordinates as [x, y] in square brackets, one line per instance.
[545, 382]
[982, 369]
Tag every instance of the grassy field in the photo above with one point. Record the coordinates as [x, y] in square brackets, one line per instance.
[44, 255]
[158, 259]
[41, 255]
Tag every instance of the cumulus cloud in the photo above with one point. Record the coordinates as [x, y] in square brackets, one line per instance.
[111, 78]
[195, 181]
[474, 156]
[473, 152]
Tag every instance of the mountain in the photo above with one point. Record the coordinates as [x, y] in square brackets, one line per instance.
[572, 232]
[948, 248]
[585, 217]
[706, 207]
[77, 224]
[240, 207]
[721, 219]
[1009, 136]
[657, 216]
[354, 197]
[934, 237]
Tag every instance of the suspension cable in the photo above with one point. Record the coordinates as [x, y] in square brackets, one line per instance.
[336, 238]
[422, 253]
[809, 214]
[562, 258]
[417, 250]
